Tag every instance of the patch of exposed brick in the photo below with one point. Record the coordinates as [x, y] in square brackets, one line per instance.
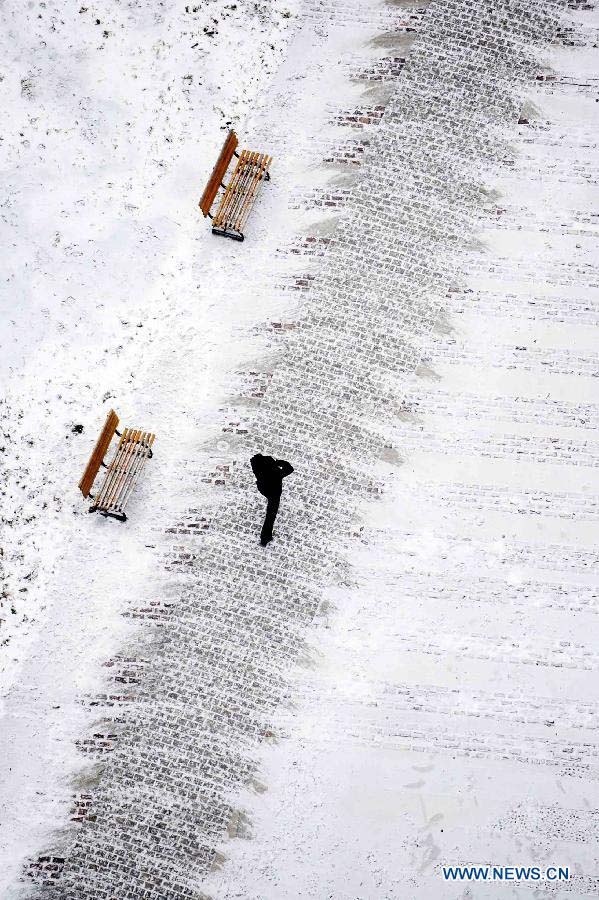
[298, 282]
[126, 669]
[46, 870]
[222, 671]
[180, 558]
[156, 611]
[386, 69]
[195, 524]
[99, 742]
[349, 153]
[360, 118]
[327, 199]
[82, 809]
[231, 427]
[311, 246]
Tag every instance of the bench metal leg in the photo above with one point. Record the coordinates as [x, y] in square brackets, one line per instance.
[230, 233]
[120, 517]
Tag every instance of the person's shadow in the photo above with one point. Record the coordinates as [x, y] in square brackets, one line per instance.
[269, 474]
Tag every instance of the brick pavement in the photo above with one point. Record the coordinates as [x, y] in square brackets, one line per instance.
[218, 665]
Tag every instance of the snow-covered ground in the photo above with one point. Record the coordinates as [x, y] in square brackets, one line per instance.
[113, 116]
[116, 295]
[447, 712]
[112, 296]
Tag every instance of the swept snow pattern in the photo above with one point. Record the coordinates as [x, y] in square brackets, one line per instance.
[218, 669]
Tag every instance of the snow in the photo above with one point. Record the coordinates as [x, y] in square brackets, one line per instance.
[400, 750]
[113, 296]
[447, 687]
[106, 283]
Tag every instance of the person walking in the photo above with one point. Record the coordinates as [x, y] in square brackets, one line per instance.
[269, 474]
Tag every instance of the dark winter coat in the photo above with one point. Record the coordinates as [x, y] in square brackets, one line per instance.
[269, 474]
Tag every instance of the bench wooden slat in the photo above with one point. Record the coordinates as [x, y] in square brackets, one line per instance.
[242, 189]
[133, 450]
[127, 465]
[135, 469]
[238, 191]
[218, 172]
[113, 474]
[109, 478]
[110, 481]
[141, 453]
[243, 174]
[258, 171]
[221, 218]
[121, 464]
[98, 453]
[240, 194]
[262, 165]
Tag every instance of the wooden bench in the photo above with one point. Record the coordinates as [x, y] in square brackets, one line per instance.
[133, 449]
[241, 191]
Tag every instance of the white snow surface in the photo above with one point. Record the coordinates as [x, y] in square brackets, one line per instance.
[114, 294]
[113, 117]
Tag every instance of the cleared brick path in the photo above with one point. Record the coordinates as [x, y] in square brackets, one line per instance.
[218, 669]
